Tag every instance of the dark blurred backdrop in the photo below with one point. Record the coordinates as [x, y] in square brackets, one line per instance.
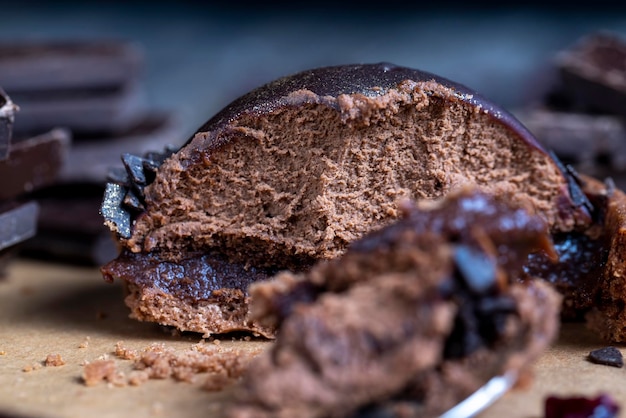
[200, 56]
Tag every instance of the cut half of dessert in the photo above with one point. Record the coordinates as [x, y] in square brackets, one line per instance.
[296, 170]
[411, 320]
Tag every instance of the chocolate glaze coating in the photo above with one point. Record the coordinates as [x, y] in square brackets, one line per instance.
[368, 79]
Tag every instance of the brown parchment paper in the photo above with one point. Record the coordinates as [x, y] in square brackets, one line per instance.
[48, 308]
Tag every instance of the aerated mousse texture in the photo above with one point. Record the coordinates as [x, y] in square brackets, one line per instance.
[296, 170]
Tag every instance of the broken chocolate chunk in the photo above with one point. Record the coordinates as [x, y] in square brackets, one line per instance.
[34, 163]
[85, 86]
[609, 356]
[594, 72]
[118, 220]
[18, 222]
[7, 111]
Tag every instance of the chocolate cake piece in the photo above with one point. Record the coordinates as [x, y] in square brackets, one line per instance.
[417, 315]
[296, 170]
[7, 116]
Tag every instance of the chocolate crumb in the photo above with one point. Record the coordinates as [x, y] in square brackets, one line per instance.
[99, 371]
[608, 356]
[54, 360]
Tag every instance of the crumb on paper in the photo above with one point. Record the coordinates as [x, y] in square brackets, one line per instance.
[31, 367]
[3, 353]
[160, 362]
[85, 343]
[102, 371]
[123, 352]
[54, 360]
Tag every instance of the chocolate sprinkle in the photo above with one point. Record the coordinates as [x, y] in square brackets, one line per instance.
[608, 356]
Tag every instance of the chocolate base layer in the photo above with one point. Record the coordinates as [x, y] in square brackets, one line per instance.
[203, 293]
[298, 169]
[419, 314]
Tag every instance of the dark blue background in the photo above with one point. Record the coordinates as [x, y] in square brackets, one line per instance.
[200, 56]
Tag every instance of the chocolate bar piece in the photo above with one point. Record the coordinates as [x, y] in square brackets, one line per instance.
[88, 87]
[586, 140]
[593, 73]
[70, 228]
[85, 113]
[33, 163]
[42, 68]
[7, 110]
[17, 223]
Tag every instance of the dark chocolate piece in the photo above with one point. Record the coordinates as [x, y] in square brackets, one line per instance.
[18, 222]
[585, 140]
[609, 356]
[70, 228]
[92, 113]
[87, 86]
[45, 67]
[594, 73]
[34, 163]
[602, 406]
[7, 111]
[115, 195]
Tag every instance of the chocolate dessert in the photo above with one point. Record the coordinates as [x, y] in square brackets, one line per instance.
[415, 316]
[296, 170]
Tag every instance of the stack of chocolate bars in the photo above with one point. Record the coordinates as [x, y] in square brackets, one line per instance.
[92, 90]
[581, 114]
[26, 165]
